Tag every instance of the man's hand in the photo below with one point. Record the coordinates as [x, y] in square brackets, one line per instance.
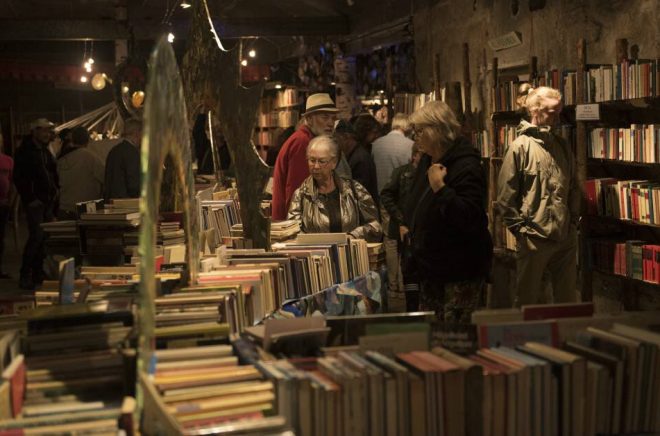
[403, 231]
[436, 175]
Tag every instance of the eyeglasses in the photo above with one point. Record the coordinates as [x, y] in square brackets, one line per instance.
[322, 162]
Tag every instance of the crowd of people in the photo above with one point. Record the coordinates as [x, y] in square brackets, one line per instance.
[52, 173]
[420, 188]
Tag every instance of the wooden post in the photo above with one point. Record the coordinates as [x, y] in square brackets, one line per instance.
[581, 164]
[466, 82]
[492, 168]
[453, 98]
[436, 77]
[534, 69]
[621, 50]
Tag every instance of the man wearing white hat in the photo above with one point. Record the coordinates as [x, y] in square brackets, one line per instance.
[291, 165]
[35, 177]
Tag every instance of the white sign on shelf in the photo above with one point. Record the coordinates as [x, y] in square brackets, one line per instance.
[587, 112]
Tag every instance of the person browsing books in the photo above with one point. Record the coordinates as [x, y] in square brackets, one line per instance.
[539, 202]
[291, 165]
[328, 203]
[450, 243]
[122, 166]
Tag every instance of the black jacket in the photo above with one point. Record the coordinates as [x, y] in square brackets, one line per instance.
[450, 237]
[363, 170]
[394, 196]
[35, 173]
[122, 172]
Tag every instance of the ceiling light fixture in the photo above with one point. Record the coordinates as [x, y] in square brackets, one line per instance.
[252, 53]
[170, 37]
[278, 86]
[90, 61]
[244, 62]
[185, 4]
[83, 79]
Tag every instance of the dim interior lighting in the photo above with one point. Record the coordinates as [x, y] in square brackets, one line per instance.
[244, 62]
[252, 53]
[185, 4]
[278, 86]
[170, 37]
[83, 79]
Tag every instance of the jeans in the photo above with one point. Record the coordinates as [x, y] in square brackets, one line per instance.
[33, 254]
[4, 217]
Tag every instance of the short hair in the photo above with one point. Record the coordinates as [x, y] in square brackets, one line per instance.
[439, 116]
[63, 133]
[400, 122]
[363, 125]
[532, 101]
[80, 136]
[324, 140]
[132, 126]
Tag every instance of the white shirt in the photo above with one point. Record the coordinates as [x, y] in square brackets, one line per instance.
[390, 152]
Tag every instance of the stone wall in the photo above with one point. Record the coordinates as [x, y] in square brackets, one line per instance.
[550, 33]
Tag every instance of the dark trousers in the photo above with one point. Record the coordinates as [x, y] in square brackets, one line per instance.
[33, 254]
[4, 218]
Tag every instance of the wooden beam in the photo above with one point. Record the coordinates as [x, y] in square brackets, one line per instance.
[234, 27]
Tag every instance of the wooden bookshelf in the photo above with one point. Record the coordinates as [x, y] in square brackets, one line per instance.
[613, 114]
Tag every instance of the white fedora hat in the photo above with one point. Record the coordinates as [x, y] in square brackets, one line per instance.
[320, 103]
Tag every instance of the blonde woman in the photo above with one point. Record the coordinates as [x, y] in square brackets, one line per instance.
[450, 243]
[539, 201]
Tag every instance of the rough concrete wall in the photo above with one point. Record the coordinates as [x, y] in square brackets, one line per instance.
[551, 33]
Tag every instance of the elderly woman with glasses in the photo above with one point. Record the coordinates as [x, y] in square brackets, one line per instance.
[450, 243]
[328, 203]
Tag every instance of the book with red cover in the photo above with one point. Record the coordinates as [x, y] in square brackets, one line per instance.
[15, 374]
[552, 311]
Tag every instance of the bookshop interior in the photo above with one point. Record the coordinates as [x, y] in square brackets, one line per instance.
[330, 217]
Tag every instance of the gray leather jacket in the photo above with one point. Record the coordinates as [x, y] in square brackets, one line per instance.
[359, 216]
[537, 192]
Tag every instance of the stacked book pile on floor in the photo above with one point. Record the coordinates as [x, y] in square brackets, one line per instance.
[75, 372]
[279, 231]
[635, 200]
[599, 380]
[220, 215]
[636, 259]
[62, 236]
[203, 389]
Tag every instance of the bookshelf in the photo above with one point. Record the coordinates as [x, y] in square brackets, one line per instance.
[617, 149]
[280, 107]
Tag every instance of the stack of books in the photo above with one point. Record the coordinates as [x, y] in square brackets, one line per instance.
[409, 103]
[61, 234]
[74, 371]
[376, 252]
[220, 215]
[203, 389]
[279, 231]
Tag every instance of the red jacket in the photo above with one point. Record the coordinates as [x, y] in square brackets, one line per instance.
[290, 171]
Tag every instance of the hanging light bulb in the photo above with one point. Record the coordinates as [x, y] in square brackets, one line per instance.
[185, 4]
[88, 68]
[244, 62]
[252, 53]
[278, 86]
[170, 37]
[90, 61]
[83, 79]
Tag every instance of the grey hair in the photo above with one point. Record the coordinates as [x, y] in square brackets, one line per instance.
[533, 101]
[400, 122]
[324, 140]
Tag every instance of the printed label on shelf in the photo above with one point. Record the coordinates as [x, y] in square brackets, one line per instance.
[587, 112]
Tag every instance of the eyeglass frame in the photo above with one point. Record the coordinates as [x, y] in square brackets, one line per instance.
[321, 162]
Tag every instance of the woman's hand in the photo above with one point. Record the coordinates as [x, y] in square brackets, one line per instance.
[436, 175]
[403, 231]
